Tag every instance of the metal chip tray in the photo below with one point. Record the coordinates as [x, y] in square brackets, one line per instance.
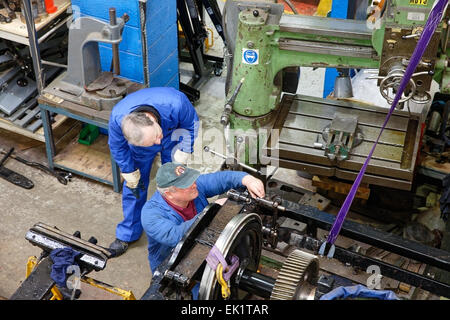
[302, 119]
[49, 238]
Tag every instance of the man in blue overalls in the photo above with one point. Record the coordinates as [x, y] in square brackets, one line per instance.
[142, 124]
[182, 194]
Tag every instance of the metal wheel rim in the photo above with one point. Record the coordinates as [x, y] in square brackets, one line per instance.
[181, 243]
[384, 87]
[224, 243]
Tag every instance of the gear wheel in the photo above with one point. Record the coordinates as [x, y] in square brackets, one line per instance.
[297, 277]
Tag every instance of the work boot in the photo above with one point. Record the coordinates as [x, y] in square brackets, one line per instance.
[118, 247]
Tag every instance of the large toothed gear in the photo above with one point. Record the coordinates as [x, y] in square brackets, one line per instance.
[297, 277]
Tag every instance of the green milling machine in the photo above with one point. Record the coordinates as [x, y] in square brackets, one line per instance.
[266, 123]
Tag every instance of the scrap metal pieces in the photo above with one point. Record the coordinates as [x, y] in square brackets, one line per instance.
[15, 90]
[105, 79]
[84, 83]
[107, 86]
[116, 89]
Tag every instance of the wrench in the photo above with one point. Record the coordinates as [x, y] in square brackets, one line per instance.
[243, 165]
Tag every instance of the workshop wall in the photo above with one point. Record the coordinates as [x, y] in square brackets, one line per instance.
[161, 33]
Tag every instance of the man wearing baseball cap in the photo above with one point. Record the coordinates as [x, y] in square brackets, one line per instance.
[182, 194]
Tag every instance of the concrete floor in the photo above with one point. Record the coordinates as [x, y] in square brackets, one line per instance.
[90, 207]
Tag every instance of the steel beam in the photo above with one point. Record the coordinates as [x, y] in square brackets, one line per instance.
[390, 242]
[386, 269]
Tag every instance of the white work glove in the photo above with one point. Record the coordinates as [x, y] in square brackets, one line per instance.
[132, 178]
[181, 157]
[254, 186]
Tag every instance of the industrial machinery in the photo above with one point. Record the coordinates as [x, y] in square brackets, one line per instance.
[219, 257]
[328, 137]
[235, 234]
[18, 103]
[192, 21]
[84, 83]
[40, 282]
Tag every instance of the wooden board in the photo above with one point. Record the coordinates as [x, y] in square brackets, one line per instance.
[93, 160]
[17, 31]
[38, 135]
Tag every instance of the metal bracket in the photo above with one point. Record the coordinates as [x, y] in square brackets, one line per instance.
[341, 135]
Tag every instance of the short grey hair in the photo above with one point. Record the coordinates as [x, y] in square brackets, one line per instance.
[164, 190]
[132, 125]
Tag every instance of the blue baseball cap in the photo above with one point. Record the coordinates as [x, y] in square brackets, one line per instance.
[172, 174]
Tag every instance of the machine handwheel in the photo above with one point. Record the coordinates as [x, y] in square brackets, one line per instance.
[392, 81]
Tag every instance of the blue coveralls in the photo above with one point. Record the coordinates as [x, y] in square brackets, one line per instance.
[165, 227]
[175, 111]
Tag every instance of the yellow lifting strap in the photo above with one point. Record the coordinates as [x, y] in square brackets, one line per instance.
[225, 288]
[209, 43]
[324, 8]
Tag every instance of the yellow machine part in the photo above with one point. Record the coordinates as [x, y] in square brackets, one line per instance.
[324, 8]
[225, 288]
[126, 295]
[209, 41]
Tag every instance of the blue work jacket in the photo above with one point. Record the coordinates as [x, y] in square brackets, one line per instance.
[165, 227]
[176, 112]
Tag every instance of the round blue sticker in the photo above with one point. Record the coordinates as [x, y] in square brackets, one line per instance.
[250, 56]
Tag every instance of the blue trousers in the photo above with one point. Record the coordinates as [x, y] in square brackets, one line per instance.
[130, 229]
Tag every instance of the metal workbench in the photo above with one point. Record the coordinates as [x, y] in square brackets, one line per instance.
[47, 104]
